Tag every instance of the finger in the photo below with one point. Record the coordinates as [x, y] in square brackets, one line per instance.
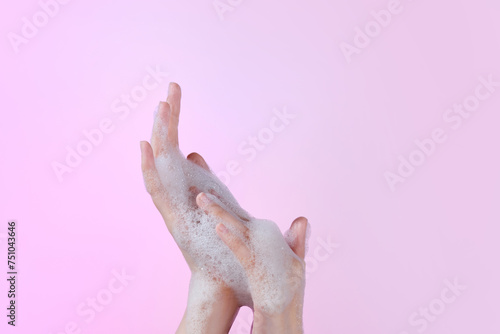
[236, 245]
[202, 163]
[150, 174]
[214, 209]
[193, 192]
[223, 200]
[160, 129]
[296, 236]
[198, 159]
[174, 100]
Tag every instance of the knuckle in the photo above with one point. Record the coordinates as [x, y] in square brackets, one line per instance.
[239, 247]
[216, 210]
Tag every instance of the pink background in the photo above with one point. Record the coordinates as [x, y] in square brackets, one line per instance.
[394, 250]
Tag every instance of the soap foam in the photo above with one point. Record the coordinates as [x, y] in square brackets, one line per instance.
[195, 233]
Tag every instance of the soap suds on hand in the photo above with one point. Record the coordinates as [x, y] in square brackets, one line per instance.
[195, 233]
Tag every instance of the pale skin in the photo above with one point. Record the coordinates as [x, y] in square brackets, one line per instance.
[224, 311]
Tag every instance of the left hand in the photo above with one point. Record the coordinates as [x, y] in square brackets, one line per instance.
[164, 141]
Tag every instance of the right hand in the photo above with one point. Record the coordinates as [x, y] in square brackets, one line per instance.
[281, 313]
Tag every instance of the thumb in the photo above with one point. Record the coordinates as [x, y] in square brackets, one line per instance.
[297, 236]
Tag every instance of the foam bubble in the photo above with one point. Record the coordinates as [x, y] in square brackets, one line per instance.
[195, 233]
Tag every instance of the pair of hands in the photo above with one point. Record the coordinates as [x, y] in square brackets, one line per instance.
[232, 228]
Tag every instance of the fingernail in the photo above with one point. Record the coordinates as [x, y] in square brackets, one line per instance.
[222, 228]
[170, 88]
[204, 200]
[164, 107]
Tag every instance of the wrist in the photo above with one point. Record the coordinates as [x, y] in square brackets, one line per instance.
[214, 311]
[288, 321]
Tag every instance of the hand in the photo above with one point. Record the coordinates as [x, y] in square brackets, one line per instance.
[277, 296]
[165, 168]
[180, 213]
[219, 283]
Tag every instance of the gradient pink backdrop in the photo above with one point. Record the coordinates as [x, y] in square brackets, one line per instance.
[393, 249]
